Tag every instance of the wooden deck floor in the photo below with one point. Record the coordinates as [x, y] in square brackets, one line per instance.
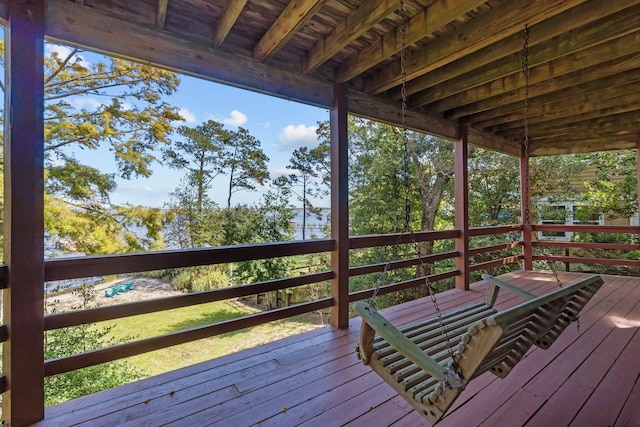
[589, 377]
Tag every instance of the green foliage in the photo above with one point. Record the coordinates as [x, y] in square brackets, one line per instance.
[308, 179]
[79, 339]
[201, 278]
[614, 192]
[210, 150]
[115, 105]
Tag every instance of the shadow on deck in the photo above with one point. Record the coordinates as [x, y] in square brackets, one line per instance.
[588, 377]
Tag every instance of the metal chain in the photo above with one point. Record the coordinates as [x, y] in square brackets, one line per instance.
[407, 206]
[525, 73]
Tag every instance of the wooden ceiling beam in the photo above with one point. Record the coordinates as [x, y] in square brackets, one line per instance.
[228, 17]
[612, 100]
[622, 46]
[580, 15]
[482, 31]
[620, 124]
[537, 104]
[161, 15]
[571, 84]
[293, 17]
[586, 145]
[353, 26]
[557, 47]
[434, 17]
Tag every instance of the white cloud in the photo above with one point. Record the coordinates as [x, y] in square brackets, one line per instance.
[187, 115]
[62, 51]
[293, 137]
[237, 119]
[85, 102]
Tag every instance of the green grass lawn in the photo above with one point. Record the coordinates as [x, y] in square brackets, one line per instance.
[154, 324]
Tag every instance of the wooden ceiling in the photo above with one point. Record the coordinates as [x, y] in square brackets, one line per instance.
[463, 59]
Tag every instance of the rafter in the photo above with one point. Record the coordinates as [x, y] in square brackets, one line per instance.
[353, 26]
[228, 17]
[623, 46]
[584, 145]
[503, 113]
[562, 45]
[161, 15]
[569, 85]
[617, 100]
[556, 26]
[604, 121]
[432, 18]
[478, 33]
[292, 18]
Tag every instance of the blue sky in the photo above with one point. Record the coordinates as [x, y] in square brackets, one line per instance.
[280, 125]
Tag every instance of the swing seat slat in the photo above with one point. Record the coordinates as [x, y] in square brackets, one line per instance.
[416, 359]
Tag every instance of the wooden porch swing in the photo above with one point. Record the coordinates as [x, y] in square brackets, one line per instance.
[429, 363]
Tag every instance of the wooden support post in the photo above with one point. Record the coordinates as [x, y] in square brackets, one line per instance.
[340, 207]
[638, 173]
[23, 311]
[525, 209]
[461, 182]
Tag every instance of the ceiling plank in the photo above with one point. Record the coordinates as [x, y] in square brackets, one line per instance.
[585, 145]
[353, 26]
[513, 111]
[620, 124]
[623, 46]
[292, 18]
[435, 16]
[553, 27]
[485, 29]
[611, 114]
[621, 99]
[230, 13]
[557, 47]
[161, 16]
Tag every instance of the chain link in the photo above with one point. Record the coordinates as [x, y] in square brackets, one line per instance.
[525, 73]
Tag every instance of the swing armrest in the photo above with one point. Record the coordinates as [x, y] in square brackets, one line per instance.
[398, 340]
[504, 285]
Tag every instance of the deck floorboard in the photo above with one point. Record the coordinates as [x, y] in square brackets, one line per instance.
[588, 376]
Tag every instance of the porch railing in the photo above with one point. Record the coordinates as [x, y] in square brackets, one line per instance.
[83, 267]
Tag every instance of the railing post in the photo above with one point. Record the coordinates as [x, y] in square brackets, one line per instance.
[461, 183]
[638, 172]
[23, 311]
[340, 207]
[525, 209]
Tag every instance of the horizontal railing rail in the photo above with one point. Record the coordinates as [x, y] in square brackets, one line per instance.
[585, 258]
[79, 317]
[394, 265]
[82, 360]
[101, 265]
[400, 286]
[377, 240]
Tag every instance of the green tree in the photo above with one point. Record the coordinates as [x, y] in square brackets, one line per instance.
[614, 191]
[200, 155]
[307, 180]
[80, 339]
[112, 105]
[245, 162]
